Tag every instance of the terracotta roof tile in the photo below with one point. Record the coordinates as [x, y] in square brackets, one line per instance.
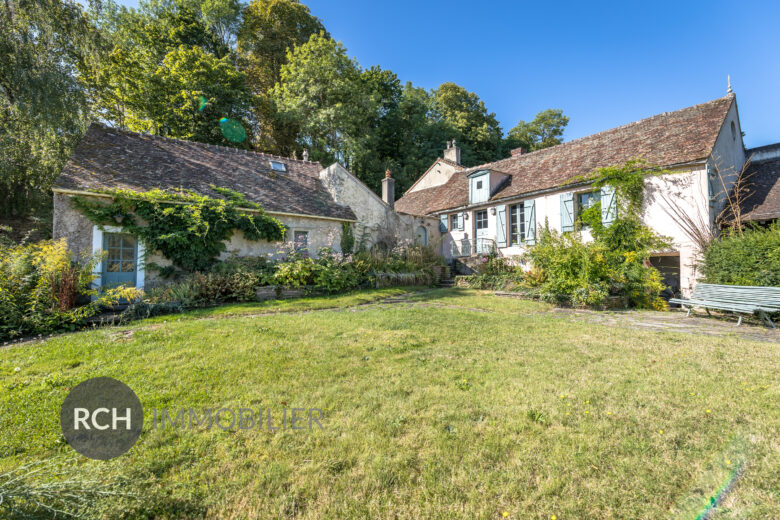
[763, 180]
[680, 137]
[108, 158]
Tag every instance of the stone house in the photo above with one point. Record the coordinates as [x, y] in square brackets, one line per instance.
[500, 206]
[314, 203]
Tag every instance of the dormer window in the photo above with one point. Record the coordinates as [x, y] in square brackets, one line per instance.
[278, 166]
[479, 187]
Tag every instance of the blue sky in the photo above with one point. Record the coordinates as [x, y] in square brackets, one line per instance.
[603, 63]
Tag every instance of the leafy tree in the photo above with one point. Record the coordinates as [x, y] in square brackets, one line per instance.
[167, 69]
[476, 130]
[42, 107]
[544, 131]
[321, 93]
[270, 29]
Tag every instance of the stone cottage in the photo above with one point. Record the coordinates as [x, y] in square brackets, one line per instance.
[314, 203]
[500, 206]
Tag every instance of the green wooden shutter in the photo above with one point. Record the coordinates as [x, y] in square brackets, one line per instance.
[460, 222]
[567, 211]
[443, 223]
[608, 205]
[501, 226]
[529, 219]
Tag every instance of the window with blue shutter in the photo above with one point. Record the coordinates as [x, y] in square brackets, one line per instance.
[529, 222]
[608, 205]
[567, 212]
[443, 223]
[501, 225]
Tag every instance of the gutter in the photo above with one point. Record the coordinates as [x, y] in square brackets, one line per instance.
[248, 210]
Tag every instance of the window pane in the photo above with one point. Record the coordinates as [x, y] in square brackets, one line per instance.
[114, 253]
[128, 267]
[114, 240]
[113, 267]
[128, 241]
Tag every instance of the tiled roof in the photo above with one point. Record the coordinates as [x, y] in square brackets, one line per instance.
[680, 137]
[107, 158]
[763, 181]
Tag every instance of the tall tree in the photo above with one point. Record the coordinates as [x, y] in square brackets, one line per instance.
[271, 28]
[43, 110]
[167, 68]
[476, 129]
[544, 131]
[321, 93]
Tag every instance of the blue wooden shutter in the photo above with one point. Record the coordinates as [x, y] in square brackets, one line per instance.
[501, 226]
[460, 222]
[608, 205]
[567, 211]
[529, 220]
[443, 223]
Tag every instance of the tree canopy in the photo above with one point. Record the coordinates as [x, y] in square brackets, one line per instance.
[183, 68]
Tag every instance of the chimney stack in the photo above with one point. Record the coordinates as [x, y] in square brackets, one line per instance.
[452, 153]
[518, 151]
[388, 190]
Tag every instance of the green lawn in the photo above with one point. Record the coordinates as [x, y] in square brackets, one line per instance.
[457, 404]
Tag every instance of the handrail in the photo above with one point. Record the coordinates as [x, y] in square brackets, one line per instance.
[471, 247]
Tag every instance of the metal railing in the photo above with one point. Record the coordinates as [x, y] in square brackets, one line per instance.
[466, 247]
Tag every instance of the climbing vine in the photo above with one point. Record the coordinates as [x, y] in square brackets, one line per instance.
[628, 180]
[187, 228]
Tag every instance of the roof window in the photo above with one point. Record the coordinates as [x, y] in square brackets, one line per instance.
[278, 166]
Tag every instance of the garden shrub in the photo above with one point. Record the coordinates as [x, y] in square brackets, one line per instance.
[747, 257]
[569, 270]
[203, 289]
[43, 289]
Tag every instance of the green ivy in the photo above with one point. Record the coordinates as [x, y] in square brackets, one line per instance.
[187, 228]
[628, 180]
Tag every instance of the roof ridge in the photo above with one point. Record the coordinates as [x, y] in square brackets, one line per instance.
[202, 144]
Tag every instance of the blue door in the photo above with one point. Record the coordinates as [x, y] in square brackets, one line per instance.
[120, 267]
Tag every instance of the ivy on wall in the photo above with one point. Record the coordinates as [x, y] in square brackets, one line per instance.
[187, 228]
[628, 180]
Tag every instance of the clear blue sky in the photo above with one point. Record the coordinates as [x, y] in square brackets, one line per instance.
[603, 63]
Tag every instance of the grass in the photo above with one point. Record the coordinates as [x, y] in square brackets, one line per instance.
[456, 404]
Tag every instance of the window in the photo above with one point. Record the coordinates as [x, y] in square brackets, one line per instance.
[587, 200]
[278, 166]
[301, 240]
[479, 185]
[121, 253]
[516, 224]
[454, 222]
[480, 219]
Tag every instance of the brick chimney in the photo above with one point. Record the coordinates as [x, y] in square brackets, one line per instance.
[388, 190]
[518, 151]
[452, 153]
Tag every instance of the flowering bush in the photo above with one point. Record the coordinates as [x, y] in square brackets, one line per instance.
[43, 289]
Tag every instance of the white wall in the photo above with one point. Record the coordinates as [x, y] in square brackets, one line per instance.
[436, 175]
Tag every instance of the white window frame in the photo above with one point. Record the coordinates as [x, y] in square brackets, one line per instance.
[97, 247]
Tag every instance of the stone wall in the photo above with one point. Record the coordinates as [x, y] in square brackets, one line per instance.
[71, 224]
[377, 222]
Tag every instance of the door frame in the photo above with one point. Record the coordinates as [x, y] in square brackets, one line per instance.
[97, 246]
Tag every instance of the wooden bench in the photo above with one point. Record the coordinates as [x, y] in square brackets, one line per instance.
[739, 299]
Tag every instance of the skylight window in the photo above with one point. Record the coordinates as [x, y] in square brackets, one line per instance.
[278, 166]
